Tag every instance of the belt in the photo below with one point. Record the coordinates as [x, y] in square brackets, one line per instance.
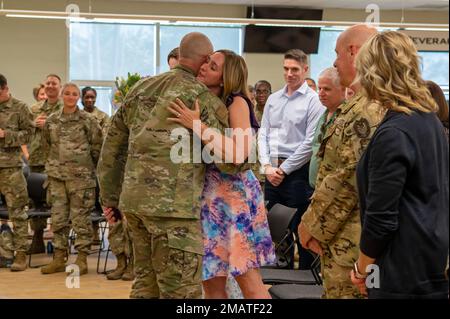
[277, 161]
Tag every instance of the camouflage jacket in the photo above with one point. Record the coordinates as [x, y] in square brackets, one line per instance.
[17, 122]
[333, 215]
[74, 143]
[38, 151]
[137, 148]
[102, 119]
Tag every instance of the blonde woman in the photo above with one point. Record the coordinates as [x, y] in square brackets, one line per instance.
[75, 139]
[235, 229]
[402, 178]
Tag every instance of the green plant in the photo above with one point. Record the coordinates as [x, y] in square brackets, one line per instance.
[124, 85]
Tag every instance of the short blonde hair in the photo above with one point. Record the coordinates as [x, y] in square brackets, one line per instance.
[388, 69]
[70, 84]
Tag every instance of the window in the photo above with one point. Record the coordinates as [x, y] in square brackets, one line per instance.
[221, 38]
[326, 55]
[100, 52]
[435, 68]
[103, 51]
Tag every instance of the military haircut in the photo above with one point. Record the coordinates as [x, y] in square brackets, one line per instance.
[52, 75]
[3, 81]
[195, 45]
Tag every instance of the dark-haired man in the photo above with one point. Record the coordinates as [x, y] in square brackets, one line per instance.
[285, 141]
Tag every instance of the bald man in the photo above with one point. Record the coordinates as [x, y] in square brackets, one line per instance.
[331, 225]
[160, 198]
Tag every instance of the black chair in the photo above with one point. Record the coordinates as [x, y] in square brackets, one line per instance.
[37, 193]
[293, 276]
[295, 289]
[279, 218]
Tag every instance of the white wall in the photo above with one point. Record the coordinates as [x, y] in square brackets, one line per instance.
[32, 48]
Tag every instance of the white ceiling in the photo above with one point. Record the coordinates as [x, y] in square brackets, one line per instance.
[342, 4]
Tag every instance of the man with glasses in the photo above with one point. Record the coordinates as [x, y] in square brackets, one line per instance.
[263, 89]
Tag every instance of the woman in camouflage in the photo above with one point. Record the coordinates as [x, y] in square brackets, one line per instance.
[75, 140]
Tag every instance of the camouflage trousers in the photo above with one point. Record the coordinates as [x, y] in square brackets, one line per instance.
[119, 238]
[14, 187]
[167, 257]
[336, 279]
[72, 202]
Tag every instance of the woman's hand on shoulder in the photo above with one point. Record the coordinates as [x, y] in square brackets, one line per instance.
[183, 115]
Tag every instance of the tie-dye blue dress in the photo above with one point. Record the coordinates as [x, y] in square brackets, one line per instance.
[236, 233]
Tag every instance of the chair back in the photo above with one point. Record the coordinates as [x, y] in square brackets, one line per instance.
[36, 191]
[279, 218]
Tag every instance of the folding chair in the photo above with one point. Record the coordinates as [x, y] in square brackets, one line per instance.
[279, 218]
[273, 276]
[299, 290]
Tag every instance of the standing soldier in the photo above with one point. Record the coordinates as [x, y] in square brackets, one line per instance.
[88, 98]
[160, 198]
[74, 141]
[331, 225]
[38, 152]
[16, 127]
[119, 237]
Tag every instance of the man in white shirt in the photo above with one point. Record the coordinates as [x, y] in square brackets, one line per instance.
[285, 141]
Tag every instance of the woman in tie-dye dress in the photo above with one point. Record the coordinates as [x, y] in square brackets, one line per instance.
[235, 229]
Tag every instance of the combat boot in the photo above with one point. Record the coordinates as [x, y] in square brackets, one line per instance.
[20, 262]
[81, 262]
[58, 263]
[37, 244]
[129, 272]
[117, 273]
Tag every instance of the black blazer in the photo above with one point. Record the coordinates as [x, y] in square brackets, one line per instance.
[403, 187]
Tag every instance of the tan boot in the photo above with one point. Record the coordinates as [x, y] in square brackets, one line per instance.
[81, 262]
[117, 273]
[20, 262]
[58, 264]
[129, 272]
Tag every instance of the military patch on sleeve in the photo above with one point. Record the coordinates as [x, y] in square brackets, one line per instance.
[362, 128]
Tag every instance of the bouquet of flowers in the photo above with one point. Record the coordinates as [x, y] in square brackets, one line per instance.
[122, 88]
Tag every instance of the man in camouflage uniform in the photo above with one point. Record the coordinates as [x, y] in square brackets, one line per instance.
[159, 198]
[331, 225]
[38, 151]
[16, 127]
[74, 141]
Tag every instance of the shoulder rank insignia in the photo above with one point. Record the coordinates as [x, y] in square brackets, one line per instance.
[362, 128]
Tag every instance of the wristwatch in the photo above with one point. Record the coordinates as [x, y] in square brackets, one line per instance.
[358, 274]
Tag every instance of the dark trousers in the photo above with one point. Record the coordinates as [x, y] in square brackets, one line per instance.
[294, 191]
